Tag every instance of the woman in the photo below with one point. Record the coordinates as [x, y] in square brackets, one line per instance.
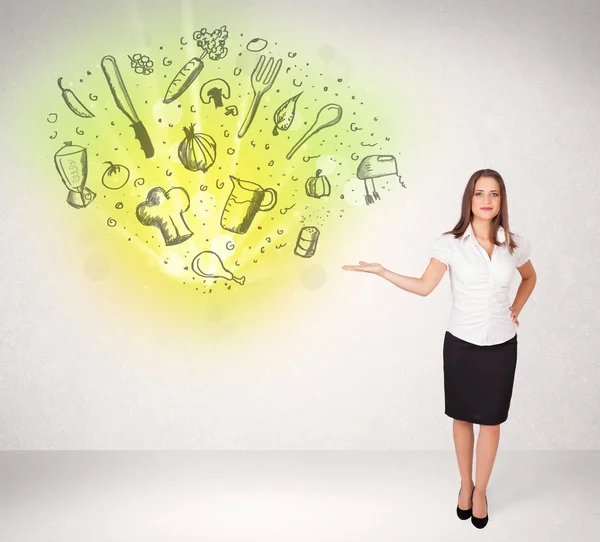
[480, 344]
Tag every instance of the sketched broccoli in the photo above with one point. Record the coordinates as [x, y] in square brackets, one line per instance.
[212, 44]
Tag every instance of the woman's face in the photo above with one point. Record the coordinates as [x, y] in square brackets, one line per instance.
[486, 198]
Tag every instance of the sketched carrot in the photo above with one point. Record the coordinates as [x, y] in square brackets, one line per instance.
[212, 45]
[73, 102]
[184, 78]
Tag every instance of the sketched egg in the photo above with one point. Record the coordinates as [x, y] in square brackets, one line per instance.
[256, 45]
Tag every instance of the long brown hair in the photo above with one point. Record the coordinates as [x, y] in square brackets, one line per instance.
[501, 219]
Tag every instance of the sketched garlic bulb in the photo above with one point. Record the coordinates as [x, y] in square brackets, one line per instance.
[197, 152]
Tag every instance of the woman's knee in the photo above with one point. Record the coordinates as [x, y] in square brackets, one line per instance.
[483, 427]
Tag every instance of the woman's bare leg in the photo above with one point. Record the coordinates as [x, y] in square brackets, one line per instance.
[464, 440]
[487, 446]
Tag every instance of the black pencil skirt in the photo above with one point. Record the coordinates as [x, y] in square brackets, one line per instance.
[478, 380]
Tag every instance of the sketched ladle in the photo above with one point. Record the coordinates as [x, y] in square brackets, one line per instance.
[329, 115]
[262, 80]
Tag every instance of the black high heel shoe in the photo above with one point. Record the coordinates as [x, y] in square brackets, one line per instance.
[464, 514]
[480, 523]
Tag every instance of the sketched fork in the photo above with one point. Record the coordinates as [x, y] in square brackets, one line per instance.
[262, 80]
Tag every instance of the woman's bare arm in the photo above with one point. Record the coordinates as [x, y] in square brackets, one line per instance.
[421, 286]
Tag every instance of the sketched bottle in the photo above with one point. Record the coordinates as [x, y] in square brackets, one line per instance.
[71, 164]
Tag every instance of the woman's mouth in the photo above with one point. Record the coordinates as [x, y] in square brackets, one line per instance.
[486, 208]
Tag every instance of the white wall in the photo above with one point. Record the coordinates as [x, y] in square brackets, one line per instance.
[356, 363]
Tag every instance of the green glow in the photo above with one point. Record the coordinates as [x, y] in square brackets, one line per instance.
[265, 254]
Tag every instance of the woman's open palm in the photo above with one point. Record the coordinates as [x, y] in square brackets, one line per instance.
[375, 268]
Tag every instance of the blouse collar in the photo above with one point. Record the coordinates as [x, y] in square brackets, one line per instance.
[469, 233]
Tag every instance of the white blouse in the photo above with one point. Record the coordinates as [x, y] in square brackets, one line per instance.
[480, 286]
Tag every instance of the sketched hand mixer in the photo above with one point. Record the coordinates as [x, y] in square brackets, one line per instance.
[375, 167]
[262, 80]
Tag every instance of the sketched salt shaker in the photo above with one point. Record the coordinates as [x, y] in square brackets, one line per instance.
[306, 244]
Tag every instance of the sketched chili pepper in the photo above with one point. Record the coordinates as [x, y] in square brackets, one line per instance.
[73, 102]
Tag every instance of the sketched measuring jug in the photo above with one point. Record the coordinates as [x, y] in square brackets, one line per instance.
[245, 200]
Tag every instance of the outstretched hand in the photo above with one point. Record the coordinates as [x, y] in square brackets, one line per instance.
[375, 268]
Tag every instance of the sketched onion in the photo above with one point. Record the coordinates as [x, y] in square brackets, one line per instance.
[197, 152]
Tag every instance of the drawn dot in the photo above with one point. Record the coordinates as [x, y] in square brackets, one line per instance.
[97, 266]
[313, 277]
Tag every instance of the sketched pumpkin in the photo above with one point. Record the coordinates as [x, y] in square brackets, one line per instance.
[318, 186]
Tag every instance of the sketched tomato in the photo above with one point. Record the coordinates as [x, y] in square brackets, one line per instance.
[115, 176]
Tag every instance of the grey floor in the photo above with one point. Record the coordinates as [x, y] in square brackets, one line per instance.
[246, 496]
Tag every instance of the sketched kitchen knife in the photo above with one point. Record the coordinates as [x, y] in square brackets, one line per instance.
[123, 101]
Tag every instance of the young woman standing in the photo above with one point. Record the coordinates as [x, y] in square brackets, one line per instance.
[480, 344]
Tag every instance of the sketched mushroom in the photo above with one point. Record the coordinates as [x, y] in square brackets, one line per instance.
[215, 90]
[373, 167]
